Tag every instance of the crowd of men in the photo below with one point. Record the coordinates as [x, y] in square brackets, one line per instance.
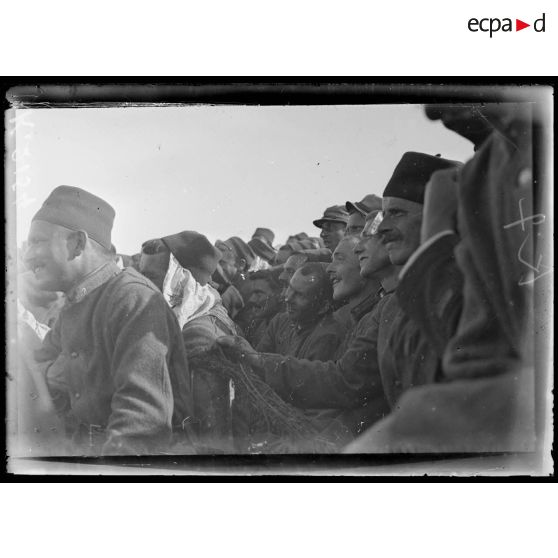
[406, 326]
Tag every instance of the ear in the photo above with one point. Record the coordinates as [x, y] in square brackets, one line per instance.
[242, 264]
[76, 242]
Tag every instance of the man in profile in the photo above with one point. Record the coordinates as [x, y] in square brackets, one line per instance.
[114, 360]
[333, 224]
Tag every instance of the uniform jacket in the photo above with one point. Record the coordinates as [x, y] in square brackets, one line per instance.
[350, 383]
[117, 364]
[317, 341]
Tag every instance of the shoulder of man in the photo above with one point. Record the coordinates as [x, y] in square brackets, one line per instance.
[129, 294]
[332, 324]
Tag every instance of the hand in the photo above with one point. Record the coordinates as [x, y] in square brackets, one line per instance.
[440, 204]
[237, 348]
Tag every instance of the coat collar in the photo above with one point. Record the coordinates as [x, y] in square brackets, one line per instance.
[92, 281]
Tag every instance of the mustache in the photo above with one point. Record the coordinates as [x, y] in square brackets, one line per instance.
[389, 237]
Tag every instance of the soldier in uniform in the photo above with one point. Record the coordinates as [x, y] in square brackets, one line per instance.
[114, 360]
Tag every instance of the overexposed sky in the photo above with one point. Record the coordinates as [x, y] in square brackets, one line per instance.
[220, 170]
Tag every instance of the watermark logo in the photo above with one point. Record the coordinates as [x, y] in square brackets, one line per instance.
[494, 25]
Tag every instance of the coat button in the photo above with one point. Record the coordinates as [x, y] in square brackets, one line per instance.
[74, 355]
[77, 395]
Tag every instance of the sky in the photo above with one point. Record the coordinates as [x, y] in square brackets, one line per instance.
[219, 170]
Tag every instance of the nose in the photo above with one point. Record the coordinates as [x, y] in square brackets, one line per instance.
[330, 268]
[323, 233]
[359, 247]
[385, 225]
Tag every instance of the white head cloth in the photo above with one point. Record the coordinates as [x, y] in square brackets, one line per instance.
[258, 264]
[187, 298]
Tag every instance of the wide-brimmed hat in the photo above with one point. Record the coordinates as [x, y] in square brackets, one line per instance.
[333, 214]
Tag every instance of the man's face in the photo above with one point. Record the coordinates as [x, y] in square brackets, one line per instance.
[155, 267]
[400, 228]
[344, 270]
[290, 266]
[372, 254]
[260, 297]
[228, 265]
[332, 233]
[300, 298]
[354, 224]
[48, 256]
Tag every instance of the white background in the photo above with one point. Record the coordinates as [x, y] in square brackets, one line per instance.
[262, 39]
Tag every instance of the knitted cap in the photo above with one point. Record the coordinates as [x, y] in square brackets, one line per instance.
[79, 210]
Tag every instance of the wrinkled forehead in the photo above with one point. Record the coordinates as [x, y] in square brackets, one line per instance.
[45, 230]
[390, 203]
[346, 246]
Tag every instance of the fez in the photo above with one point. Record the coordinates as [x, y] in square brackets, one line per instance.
[365, 206]
[192, 249]
[333, 214]
[79, 210]
[412, 173]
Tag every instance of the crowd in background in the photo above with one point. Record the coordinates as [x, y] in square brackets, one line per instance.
[401, 323]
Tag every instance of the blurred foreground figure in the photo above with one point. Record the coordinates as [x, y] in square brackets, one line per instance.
[181, 266]
[114, 360]
[484, 402]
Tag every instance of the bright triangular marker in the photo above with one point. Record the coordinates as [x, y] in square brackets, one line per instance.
[519, 25]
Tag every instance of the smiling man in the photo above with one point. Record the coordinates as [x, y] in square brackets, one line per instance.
[115, 361]
[407, 357]
[307, 329]
[344, 392]
[354, 294]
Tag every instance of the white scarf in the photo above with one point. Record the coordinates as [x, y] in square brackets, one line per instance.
[187, 298]
[259, 264]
